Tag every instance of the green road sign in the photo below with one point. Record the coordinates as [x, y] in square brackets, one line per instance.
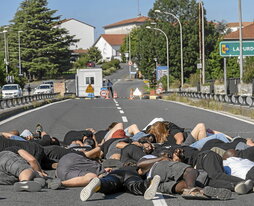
[232, 48]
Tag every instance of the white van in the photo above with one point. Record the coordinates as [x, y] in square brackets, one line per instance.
[11, 91]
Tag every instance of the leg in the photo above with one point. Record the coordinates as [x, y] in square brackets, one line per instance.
[115, 128]
[133, 129]
[27, 174]
[81, 181]
[199, 131]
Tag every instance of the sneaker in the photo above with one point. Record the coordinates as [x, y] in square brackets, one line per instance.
[93, 186]
[39, 129]
[152, 189]
[217, 193]
[28, 186]
[41, 181]
[244, 187]
[54, 184]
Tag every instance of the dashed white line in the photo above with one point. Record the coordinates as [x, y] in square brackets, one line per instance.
[119, 108]
[115, 101]
[124, 119]
[121, 111]
[117, 105]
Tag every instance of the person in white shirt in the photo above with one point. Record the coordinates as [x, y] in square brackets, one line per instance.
[236, 166]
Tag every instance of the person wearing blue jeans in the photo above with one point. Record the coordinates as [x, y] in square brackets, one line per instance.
[200, 143]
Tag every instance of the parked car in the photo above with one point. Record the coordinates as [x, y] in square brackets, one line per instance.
[43, 89]
[48, 82]
[90, 64]
[11, 91]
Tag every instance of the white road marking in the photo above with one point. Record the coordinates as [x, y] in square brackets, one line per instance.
[121, 111]
[29, 111]
[117, 105]
[124, 119]
[159, 200]
[119, 108]
[115, 101]
[220, 113]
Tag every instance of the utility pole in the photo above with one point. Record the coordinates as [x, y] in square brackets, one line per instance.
[240, 39]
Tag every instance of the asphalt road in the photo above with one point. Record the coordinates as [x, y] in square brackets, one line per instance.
[60, 117]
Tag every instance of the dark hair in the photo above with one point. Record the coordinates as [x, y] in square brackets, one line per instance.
[112, 125]
[89, 141]
[54, 141]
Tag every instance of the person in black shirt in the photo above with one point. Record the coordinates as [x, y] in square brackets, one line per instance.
[171, 134]
[212, 164]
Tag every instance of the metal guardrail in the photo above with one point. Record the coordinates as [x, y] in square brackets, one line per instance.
[241, 100]
[18, 101]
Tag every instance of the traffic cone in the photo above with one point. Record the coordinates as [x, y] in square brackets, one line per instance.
[115, 95]
[131, 94]
[107, 96]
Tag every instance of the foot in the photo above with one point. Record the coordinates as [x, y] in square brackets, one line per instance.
[39, 129]
[244, 187]
[41, 181]
[217, 193]
[54, 184]
[93, 186]
[28, 186]
[152, 189]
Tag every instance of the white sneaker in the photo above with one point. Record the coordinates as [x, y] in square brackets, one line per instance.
[152, 189]
[244, 187]
[90, 189]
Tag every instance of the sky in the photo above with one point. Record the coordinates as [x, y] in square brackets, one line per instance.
[99, 13]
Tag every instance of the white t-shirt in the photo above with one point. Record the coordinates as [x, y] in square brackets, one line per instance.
[237, 166]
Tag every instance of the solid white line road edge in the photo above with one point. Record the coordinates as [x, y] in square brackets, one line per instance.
[29, 111]
[220, 113]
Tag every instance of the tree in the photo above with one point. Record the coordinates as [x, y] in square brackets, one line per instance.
[45, 46]
[94, 54]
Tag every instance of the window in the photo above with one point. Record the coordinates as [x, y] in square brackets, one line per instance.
[89, 80]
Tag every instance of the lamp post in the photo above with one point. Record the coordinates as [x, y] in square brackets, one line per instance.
[240, 39]
[20, 68]
[203, 41]
[129, 54]
[6, 51]
[181, 41]
[148, 27]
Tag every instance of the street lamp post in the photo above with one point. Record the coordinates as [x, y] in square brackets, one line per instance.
[6, 51]
[148, 27]
[240, 39]
[20, 68]
[181, 42]
[203, 42]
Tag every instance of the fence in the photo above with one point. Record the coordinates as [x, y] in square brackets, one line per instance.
[19, 101]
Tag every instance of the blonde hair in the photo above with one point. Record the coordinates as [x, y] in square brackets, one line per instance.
[160, 131]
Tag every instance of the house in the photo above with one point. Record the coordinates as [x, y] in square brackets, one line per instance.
[125, 26]
[109, 45]
[247, 33]
[234, 26]
[81, 30]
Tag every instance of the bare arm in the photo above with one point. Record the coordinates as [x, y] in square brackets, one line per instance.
[179, 138]
[94, 153]
[145, 165]
[31, 161]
